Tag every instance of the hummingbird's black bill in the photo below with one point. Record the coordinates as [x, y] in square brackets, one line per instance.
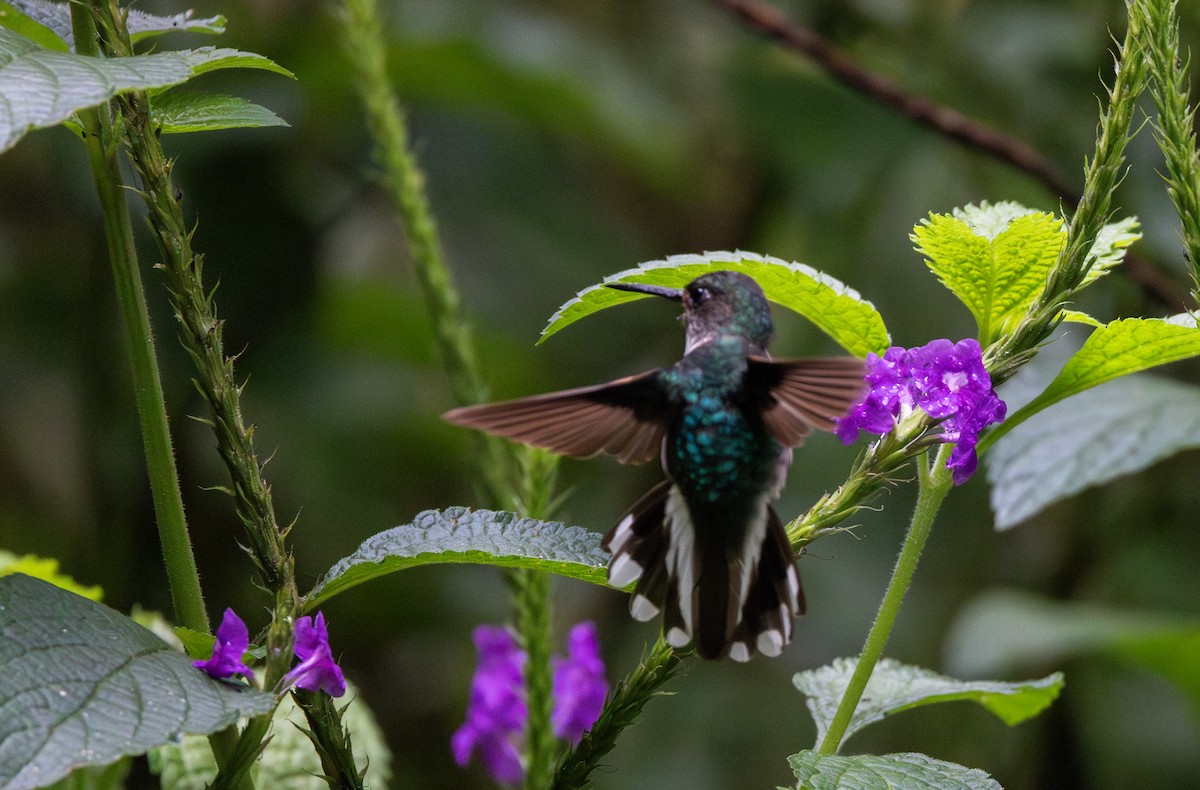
[674, 294]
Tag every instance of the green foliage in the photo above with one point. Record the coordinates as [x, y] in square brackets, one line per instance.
[46, 569]
[102, 686]
[1008, 631]
[1121, 347]
[288, 761]
[835, 308]
[49, 23]
[910, 771]
[461, 535]
[896, 687]
[996, 258]
[1115, 429]
[44, 87]
[176, 112]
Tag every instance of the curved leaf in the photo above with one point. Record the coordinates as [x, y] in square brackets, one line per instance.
[40, 87]
[1118, 428]
[995, 258]
[835, 308]
[1003, 631]
[1119, 348]
[896, 687]
[176, 112]
[909, 770]
[461, 535]
[83, 685]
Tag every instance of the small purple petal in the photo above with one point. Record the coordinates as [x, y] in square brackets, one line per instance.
[231, 642]
[579, 685]
[496, 713]
[317, 671]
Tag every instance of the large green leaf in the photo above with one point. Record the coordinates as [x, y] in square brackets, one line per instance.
[995, 258]
[83, 686]
[896, 687]
[1002, 632]
[41, 87]
[55, 18]
[176, 112]
[1118, 428]
[835, 308]
[906, 771]
[461, 535]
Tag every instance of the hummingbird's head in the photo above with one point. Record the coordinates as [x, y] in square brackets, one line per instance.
[718, 303]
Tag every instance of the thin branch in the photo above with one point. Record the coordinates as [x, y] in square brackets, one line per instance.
[767, 20]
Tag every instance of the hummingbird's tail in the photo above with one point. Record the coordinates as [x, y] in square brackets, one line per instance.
[704, 596]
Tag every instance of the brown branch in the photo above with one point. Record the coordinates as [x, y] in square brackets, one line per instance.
[768, 21]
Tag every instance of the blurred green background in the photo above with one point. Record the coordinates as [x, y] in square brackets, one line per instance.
[564, 141]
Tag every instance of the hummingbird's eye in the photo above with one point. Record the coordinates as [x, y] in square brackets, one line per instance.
[700, 294]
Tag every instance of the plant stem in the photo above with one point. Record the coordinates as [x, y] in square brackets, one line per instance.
[623, 707]
[1101, 177]
[934, 482]
[517, 479]
[102, 145]
[1158, 23]
[201, 332]
[404, 180]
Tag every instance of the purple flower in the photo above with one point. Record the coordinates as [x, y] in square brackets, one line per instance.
[496, 713]
[231, 643]
[579, 685]
[317, 671]
[947, 380]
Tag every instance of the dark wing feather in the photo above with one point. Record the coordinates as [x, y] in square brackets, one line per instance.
[626, 418]
[804, 394]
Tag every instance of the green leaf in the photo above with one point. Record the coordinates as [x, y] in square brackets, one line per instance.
[1110, 247]
[56, 18]
[42, 88]
[1125, 346]
[176, 112]
[1001, 632]
[33, 24]
[289, 760]
[995, 258]
[83, 686]
[835, 308]
[909, 771]
[461, 535]
[1118, 428]
[896, 687]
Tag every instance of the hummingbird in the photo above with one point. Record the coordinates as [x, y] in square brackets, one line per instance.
[705, 547]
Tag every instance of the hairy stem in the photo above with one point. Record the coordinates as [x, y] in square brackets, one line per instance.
[1158, 23]
[1101, 177]
[103, 144]
[201, 332]
[935, 481]
[518, 479]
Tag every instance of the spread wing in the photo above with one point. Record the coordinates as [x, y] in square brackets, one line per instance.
[626, 418]
[804, 394]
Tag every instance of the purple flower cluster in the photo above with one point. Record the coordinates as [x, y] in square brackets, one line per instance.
[497, 712]
[947, 380]
[317, 671]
